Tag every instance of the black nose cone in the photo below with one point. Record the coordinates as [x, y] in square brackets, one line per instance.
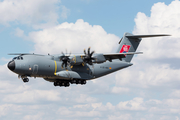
[11, 65]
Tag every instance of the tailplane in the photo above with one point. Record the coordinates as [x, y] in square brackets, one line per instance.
[130, 43]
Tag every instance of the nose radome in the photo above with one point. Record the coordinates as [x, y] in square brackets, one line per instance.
[11, 65]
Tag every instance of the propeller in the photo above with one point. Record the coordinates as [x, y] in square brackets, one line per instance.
[65, 59]
[88, 56]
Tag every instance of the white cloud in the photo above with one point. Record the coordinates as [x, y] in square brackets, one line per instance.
[19, 33]
[120, 117]
[74, 37]
[154, 67]
[32, 96]
[163, 19]
[38, 116]
[5, 72]
[135, 104]
[38, 13]
[65, 12]
[79, 102]
[175, 93]
[145, 75]
[120, 90]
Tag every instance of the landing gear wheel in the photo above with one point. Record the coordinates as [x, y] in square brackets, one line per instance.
[78, 81]
[73, 81]
[67, 84]
[83, 82]
[55, 84]
[25, 80]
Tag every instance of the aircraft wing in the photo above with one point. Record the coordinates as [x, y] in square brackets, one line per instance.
[24, 54]
[110, 56]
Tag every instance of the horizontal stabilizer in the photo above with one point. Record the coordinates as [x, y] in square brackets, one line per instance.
[145, 36]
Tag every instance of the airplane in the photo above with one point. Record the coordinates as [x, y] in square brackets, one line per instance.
[65, 69]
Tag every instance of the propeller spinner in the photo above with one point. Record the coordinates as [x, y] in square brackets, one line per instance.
[65, 60]
[88, 56]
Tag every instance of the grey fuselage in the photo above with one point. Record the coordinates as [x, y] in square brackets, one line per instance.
[49, 68]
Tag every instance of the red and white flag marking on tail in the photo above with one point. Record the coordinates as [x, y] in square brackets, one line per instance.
[125, 48]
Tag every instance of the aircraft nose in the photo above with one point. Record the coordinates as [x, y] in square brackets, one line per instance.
[11, 65]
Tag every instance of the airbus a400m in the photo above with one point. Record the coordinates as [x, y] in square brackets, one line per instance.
[66, 69]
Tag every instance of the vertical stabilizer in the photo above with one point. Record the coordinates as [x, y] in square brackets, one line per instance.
[128, 45]
[130, 42]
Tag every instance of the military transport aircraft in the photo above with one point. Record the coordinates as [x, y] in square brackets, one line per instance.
[64, 69]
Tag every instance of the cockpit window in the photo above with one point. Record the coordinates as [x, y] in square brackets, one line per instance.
[14, 58]
[18, 58]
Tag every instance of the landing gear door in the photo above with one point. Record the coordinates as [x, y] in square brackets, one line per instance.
[35, 69]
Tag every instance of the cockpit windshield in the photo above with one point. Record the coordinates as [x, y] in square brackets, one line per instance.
[18, 58]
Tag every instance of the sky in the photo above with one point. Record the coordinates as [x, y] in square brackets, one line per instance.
[150, 89]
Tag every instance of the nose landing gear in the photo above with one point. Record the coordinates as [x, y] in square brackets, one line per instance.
[24, 78]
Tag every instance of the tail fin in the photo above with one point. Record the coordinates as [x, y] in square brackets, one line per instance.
[130, 42]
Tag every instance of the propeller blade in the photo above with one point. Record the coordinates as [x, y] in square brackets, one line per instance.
[88, 50]
[66, 65]
[63, 53]
[92, 53]
[65, 59]
[88, 56]
[62, 65]
[84, 51]
[70, 54]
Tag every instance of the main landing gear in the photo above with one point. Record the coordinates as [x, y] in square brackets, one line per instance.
[67, 83]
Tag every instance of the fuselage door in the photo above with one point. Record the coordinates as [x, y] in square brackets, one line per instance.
[35, 69]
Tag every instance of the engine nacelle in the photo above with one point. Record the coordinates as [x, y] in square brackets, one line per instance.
[99, 58]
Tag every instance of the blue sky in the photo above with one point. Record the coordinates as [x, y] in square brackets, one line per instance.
[115, 17]
[147, 90]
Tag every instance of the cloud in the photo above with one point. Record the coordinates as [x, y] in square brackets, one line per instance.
[163, 19]
[32, 96]
[19, 33]
[135, 104]
[120, 90]
[39, 14]
[74, 37]
[65, 12]
[150, 86]
[156, 67]
[146, 75]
